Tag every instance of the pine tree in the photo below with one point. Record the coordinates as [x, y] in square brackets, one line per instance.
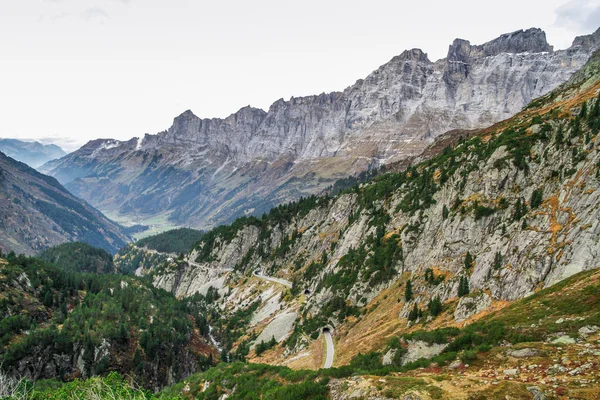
[520, 210]
[429, 276]
[138, 362]
[408, 293]
[48, 299]
[536, 198]
[415, 313]
[583, 112]
[463, 287]
[468, 260]
[497, 260]
[435, 306]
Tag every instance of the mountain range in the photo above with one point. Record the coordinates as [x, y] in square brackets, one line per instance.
[33, 154]
[204, 172]
[37, 212]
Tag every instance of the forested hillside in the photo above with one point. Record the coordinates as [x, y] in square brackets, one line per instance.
[79, 257]
[59, 324]
[174, 241]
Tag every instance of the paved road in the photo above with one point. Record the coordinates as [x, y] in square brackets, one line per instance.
[205, 268]
[329, 350]
[152, 251]
[276, 280]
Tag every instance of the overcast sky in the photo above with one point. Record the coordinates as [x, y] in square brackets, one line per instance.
[75, 70]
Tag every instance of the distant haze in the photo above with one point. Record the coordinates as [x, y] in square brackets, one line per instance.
[75, 70]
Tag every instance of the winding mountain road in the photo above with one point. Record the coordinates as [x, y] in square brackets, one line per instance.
[205, 268]
[330, 350]
[276, 280]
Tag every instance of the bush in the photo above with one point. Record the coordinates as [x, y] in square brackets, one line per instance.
[482, 211]
[468, 356]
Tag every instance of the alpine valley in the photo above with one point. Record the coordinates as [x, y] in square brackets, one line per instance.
[431, 232]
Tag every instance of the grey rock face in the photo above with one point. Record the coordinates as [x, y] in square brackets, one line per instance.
[537, 393]
[419, 349]
[471, 305]
[203, 172]
[524, 353]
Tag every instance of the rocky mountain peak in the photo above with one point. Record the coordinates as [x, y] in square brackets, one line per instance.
[412, 55]
[187, 115]
[459, 50]
[532, 40]
[588, 42]
[249, 112]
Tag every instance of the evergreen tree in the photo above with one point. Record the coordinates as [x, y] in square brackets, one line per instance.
[138, 362]
[429, 276]
[497, 260]
[463, 287]
[520, 210]
[435, 306]
[468, 260]
[408, 293]
[445, 212]
[560, 137]
[415, 313]
[583, 112]
[536, 198]
[48, 299]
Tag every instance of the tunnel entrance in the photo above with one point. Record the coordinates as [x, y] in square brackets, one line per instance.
[306, 292]
[257, 272]
[326, 330]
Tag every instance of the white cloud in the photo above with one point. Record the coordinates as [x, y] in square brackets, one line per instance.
[579, 15]
[94, 13]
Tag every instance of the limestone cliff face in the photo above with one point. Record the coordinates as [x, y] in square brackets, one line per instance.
[520, 199]
[202, 172]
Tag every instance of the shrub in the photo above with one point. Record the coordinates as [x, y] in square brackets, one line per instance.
[482, 211]
[468, 356]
